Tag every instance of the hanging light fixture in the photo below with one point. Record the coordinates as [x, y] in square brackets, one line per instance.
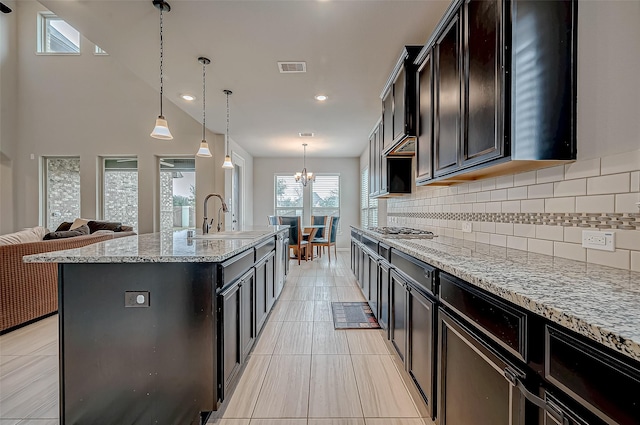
[304, 177]
[161, 130]
[204, 146]
[227, 159]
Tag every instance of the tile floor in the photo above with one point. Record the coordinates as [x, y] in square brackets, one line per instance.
[300, 372]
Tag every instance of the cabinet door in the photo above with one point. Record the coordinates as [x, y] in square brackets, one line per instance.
[383, 296]
[373, 164]
[425, 121]
[366, 278]
[382, 185]
[420, 361]
[270, 282]
[483, 64]
[447, 99]
[247, 320]
[398, 327]
[472, 387]
[261, 294]
[229, 358]
[373, 285]
[399, 96]
[387, 120]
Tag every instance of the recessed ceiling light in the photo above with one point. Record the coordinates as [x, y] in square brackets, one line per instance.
[321, 97]
[188, 97]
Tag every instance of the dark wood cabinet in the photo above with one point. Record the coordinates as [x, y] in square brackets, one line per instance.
[502, 96]
[384, 304]
[388, 176]
[447, 87]
[398, 328]
[230, 350]
[398, 105]
[483, 61]
[248, 331]
[375, 140]
[372, 296]
[424, 156]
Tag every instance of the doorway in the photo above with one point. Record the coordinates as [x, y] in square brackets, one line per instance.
[237, 192]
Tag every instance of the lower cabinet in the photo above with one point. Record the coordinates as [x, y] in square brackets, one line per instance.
[237, 329]
[384, 295]
[371, 285]
[265, 289]
[398, 328]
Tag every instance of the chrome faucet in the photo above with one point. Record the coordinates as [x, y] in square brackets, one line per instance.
[207, 226]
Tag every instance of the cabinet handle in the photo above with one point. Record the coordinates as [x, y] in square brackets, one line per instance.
[551, 409]
[427, 274]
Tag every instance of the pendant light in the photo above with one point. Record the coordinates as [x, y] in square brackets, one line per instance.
[161, 130]
[227, 159]
[204, 146]
[304, 177]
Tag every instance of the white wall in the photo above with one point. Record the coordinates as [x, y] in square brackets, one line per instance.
[90, 106]
[8, 115]
[264, 187]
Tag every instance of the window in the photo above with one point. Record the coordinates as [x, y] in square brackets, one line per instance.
[289, 196]
[120, 191]
[98, 51]
[55, 36]
[61, 191]
[178, 193]
[325, 195]
[368, 205]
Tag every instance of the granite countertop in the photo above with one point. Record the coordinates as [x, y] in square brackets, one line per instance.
[599, 302]
[164, 247]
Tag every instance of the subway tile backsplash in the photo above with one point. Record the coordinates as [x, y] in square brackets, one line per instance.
[543, 211]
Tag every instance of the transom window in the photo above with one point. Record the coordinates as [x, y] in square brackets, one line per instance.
[55, 36]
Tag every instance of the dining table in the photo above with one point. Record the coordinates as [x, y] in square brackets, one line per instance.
[308, 234]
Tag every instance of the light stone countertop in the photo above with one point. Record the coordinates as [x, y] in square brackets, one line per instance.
[164, 247]
[599, 302]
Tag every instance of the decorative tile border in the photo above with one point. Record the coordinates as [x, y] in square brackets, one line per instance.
[626, 221]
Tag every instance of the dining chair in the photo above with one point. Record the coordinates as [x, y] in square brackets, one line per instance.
[273, 220]
[295, 235]
[320, 233]
[321, 242]
[332, 236]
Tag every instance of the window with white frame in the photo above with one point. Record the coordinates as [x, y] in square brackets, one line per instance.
[99, 51]
[120, 191]
[325, 192]
[368, 205]
[289, 196]
[61, 190]
[55, 36]
[178, 193]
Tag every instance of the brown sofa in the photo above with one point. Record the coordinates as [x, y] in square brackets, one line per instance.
[29, 291]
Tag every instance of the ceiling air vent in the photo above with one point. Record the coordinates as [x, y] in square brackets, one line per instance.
[292, 67]
[305, 134]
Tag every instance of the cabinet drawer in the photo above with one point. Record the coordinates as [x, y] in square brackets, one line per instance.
[372, 244]
[235, 267]
[265, 248]
[503, 323]
[355, 235]
[421, 273]
[606, 385]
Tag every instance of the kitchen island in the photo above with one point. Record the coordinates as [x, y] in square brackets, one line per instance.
[155, 328]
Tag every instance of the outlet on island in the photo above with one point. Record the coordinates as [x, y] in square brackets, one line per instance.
[136, 299]
[604, 241]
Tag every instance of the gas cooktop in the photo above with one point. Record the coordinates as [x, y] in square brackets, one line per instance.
[402, 232]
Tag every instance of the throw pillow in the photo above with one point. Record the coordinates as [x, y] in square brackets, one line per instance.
[34, 234]
[79, 231]
[79, 222]
[94, 226]
[64, 226]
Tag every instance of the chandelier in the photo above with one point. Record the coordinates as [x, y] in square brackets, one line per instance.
[304, 177]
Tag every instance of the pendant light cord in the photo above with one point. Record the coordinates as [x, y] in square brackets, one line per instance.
[227, 147]
[204, 64]
[161, 60]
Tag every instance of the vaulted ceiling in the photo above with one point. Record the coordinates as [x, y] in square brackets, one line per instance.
[350, 47]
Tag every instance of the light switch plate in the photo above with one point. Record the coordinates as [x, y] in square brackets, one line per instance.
[466, 227]
[603, 241]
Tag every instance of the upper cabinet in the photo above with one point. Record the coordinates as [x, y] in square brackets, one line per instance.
[399, 105]
[388, 176]
[496, 90]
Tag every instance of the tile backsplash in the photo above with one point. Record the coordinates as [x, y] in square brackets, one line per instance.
[543, 211]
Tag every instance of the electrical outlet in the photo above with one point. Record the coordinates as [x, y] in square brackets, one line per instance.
[603, 241]
[466, 227]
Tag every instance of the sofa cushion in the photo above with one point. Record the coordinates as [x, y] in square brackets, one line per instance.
[34, 234]
[64, 226]
[79, 222]
[95, 225]
[79, 231]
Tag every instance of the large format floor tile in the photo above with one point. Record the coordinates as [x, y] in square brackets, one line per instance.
[327, 340]
[285, 390]
[333, 389]
[245, 396]
[381, 389]
[294, 338]
[268, 338]
[366, 341]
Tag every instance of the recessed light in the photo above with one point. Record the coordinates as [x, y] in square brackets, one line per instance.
[188, 97]
[321, 97]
